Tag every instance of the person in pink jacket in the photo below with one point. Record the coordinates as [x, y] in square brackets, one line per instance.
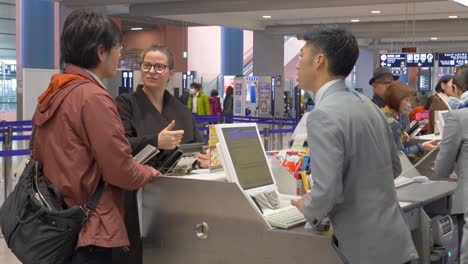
[215, 103]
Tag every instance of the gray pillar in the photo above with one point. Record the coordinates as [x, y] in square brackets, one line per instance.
[268, 54]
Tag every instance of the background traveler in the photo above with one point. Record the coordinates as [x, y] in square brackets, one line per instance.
[198, 102]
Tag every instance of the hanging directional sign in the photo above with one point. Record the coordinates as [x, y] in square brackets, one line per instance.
[452, 59]
[420, 60]
[393, 60]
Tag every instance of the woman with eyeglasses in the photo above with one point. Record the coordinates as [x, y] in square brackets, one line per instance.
[153, 116]
[443, 90]
[453, 156]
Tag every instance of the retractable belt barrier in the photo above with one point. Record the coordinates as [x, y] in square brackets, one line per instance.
[272, 135]
[7, 153]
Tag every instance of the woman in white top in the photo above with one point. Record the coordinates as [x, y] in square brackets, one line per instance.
[443, 90]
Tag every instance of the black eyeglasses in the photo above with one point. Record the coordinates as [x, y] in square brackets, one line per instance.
[158, 68]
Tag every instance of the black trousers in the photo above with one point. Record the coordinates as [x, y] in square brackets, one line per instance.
[92, 255]
[135, 254]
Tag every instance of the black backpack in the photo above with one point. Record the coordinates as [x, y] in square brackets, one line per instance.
[37, 227]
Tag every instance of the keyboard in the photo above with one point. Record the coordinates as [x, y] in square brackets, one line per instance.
[285, 217]
[402, 181]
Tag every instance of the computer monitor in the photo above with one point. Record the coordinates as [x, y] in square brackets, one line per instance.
[245, 156]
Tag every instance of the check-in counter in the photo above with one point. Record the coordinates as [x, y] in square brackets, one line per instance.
[196, 221]
[186, 220]
[420, 201]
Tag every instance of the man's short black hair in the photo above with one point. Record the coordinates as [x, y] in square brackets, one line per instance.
[339, 45]
[84, 31]
[195, 85]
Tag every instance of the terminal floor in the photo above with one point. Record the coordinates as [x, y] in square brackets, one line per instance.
[5, 254]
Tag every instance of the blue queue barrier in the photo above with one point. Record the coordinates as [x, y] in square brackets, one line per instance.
[16, 152]
[247, 119]
[28, 137]
[16, 123]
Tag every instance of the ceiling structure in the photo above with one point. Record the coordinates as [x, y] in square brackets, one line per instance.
[7, 29]
[422, 23]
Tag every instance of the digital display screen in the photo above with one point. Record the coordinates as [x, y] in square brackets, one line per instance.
[452, 59]
[420, 60]
[393, 60]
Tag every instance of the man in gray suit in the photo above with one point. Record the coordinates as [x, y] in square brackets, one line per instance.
[454, 151]
[353, 157]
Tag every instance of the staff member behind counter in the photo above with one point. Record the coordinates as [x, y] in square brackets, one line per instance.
[353, 157]
[454, 154]
[153, 116]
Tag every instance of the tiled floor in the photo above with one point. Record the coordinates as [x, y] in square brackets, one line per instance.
[5, 254]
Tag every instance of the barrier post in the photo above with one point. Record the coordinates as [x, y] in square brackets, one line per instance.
[7, 163]
[273, 135]
[266, 137]
[280, 136]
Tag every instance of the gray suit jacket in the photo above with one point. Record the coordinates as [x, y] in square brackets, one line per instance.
[454, 151]
[353, 164]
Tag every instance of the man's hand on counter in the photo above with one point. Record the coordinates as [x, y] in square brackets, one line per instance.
[300, 203]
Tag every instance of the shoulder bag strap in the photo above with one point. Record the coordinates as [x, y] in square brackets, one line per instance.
[92, 203]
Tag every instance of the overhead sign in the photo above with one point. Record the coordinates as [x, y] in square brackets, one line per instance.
[251, 78]
[393, 60]
[8, 69]
[420, 60]
[409, 49]
[452, 59]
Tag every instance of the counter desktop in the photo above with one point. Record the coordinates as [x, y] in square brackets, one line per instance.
[203, 218]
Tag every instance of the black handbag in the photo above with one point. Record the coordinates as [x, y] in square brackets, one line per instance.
[37, 227]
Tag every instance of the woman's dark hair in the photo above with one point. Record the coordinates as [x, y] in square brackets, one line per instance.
[339, 45]
[162, 49]
[84, 32]
[229, 90]
[395, 93]
[214, 92]
[197, 86]
[444, 79]
[461, 78]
